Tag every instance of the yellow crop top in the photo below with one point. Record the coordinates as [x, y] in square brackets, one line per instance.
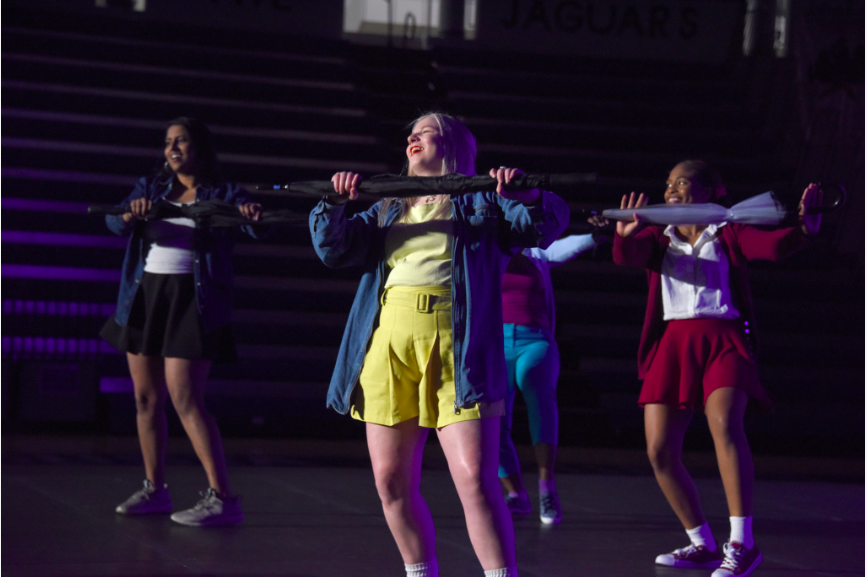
[419, 250]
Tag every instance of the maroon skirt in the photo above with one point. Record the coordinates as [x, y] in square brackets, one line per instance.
[696, 357]
[165, 322]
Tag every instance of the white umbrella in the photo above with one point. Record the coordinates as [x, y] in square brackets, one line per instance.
[761, 209]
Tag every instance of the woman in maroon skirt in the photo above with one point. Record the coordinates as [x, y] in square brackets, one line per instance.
[697, 354]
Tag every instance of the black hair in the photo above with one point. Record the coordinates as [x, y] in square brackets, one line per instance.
[707, 176]
[203, 144]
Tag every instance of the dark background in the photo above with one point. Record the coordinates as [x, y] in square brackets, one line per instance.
[87, 91]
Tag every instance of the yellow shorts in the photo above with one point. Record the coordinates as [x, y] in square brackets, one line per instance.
[409, 368]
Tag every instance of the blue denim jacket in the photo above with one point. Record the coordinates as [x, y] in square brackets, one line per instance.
[212, 262]
[488, 230]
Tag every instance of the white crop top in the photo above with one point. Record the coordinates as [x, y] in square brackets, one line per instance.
[171, 250]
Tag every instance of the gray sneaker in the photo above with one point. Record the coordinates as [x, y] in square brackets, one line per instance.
[518, 504]
[147, 501]
[549, 508]
[210, 511]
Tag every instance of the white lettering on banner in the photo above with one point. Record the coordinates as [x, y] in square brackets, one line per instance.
[633, 29]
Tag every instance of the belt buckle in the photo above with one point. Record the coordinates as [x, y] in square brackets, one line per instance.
[422, 304]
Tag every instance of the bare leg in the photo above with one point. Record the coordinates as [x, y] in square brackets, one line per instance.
[546, 453]
[513, 483]
[150, 402]
[665, 428]
[396, 455]
[725, 416]
[186, 380]
[471, 448]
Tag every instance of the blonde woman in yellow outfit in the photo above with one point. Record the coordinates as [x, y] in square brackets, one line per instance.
[423, 347]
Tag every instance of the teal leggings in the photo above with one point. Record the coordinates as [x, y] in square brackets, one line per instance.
[533, 362]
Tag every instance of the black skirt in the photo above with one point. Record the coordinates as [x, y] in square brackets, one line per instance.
[165, 322]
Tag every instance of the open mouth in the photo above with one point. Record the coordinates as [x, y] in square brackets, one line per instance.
[414, 150]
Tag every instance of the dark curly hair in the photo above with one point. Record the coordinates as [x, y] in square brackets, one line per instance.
[203, 144]
[707, 176]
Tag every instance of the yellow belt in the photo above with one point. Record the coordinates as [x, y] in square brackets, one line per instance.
[421, 302]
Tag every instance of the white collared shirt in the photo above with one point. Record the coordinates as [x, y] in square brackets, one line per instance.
[695, 279]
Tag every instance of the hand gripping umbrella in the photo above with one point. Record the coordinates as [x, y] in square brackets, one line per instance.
[391, 185]
[215, 213]
[764, 209]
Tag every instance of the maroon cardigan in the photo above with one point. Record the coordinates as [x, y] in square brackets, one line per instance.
[741, 243]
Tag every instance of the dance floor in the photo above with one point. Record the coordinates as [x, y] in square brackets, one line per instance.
[316, 513]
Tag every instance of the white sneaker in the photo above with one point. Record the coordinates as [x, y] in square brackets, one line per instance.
[211, 510]
[738, 560]
[550, 512]
[692, 557]
[147, 501]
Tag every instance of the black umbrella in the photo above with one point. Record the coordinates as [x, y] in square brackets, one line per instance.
[395, 186]
[215, 213]
[222, 214]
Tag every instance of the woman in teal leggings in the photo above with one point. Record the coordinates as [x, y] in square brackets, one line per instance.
[534, 364]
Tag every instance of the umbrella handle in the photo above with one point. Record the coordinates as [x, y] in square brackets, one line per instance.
[839, 200]
[838, 193]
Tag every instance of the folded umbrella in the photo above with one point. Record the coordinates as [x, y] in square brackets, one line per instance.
[395, 186]
[764, 209]
[217, 213]
[214, 213]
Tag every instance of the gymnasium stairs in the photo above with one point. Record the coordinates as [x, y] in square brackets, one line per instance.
[84, 109]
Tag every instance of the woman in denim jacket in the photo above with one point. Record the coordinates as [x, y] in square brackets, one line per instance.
[423, 346]
[172, 318]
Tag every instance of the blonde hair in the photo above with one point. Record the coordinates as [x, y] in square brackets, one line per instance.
[459, 157]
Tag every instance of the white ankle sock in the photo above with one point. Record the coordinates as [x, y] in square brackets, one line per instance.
[702, 535]
[742, 531]
[427, 569]
[504, 572]
[547, 486]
